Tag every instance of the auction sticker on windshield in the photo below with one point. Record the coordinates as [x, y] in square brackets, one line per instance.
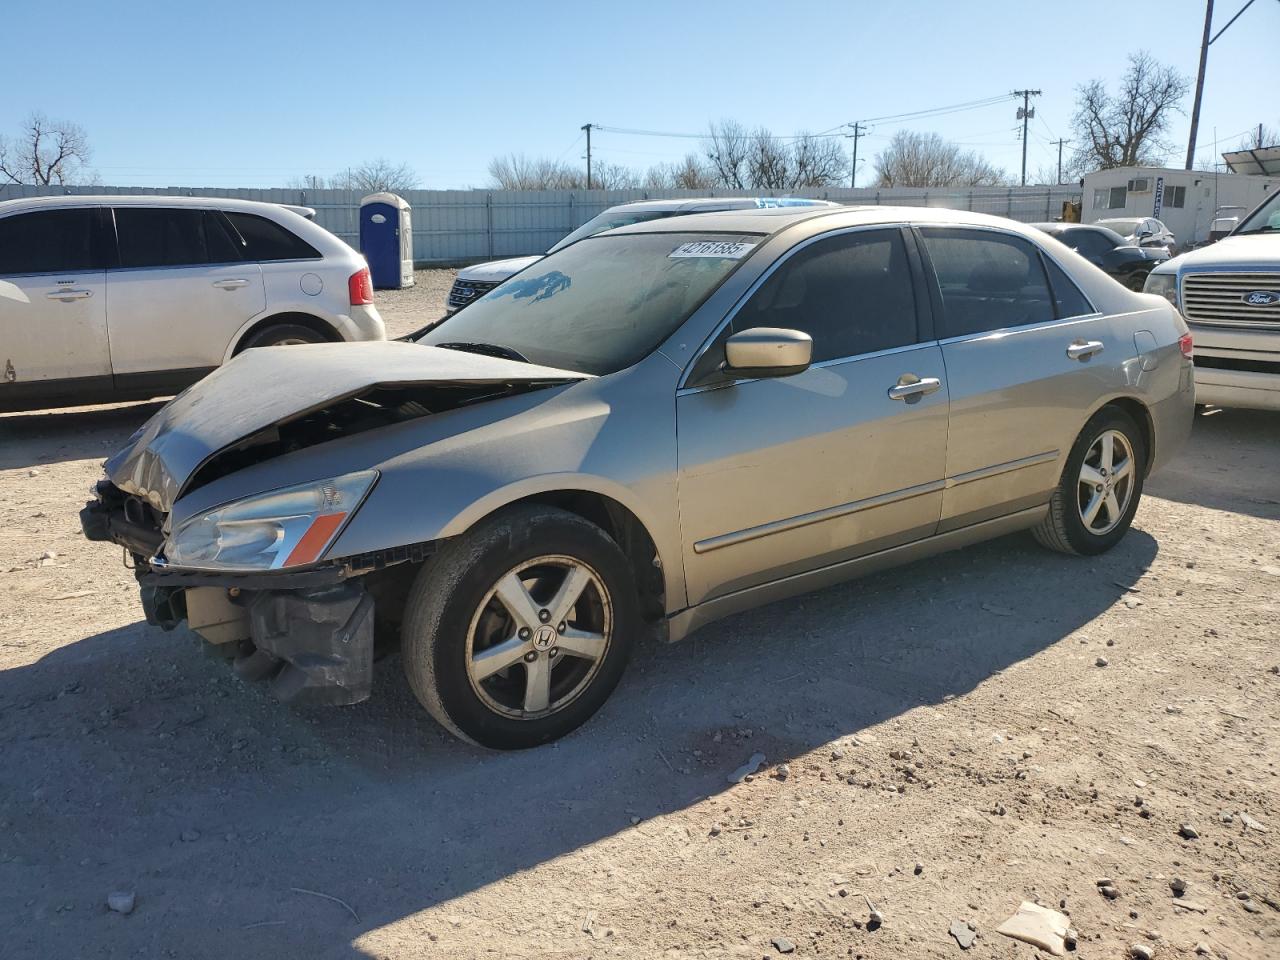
[720, 249]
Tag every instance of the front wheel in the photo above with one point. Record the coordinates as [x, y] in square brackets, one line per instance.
[516, 632]
[1095, 500]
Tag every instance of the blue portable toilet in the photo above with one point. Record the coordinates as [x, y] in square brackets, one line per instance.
[386, 240]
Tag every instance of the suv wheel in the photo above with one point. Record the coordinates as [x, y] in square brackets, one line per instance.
[283, 335]
[517, 632]
[1095, 501]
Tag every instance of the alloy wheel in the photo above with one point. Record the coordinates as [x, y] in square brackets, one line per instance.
[538, 637]
[1106, 482]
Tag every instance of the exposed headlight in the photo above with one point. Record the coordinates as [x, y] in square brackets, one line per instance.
[284, 528]
[1163, 284]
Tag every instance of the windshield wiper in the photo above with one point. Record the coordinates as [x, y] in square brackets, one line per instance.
[485, 349]
[1265, 228]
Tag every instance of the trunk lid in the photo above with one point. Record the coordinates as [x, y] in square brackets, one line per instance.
[268, 388]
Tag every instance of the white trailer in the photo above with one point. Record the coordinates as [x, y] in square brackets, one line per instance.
[1184, 200]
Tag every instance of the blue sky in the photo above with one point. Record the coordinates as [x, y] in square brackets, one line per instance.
[234, 93]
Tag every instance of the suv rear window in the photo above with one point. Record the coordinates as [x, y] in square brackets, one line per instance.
[263, 239]
[51, 241]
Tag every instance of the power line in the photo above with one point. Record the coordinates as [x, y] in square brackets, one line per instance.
[831, 132]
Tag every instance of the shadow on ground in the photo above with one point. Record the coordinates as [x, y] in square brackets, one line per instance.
[54, 436]
[1232, 463]
[120, 744]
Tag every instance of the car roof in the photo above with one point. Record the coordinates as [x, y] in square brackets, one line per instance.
[141, 200]
[695, 204]
[774, 220]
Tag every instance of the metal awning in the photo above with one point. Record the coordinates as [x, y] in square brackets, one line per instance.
[1264, 160]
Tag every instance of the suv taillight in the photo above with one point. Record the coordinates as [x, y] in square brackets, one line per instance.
[1185, 345]
[360, 285]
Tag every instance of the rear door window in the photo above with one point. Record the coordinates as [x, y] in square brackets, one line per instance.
[160, 237]
[988, 280]
[265, 240]
[52, 241]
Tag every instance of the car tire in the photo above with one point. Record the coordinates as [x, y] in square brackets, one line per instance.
[1076, 522]
[498, 592]
[283, 335]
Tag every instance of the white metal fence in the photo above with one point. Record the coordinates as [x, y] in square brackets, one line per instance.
[460, 226]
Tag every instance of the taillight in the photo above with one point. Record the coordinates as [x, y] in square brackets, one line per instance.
[1185, 345]
[360, 286]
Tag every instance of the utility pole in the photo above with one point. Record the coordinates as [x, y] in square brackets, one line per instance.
[1205, 42]
[1025, 113]
[858, 130]
[1258, 145]
[1059, 143]
[587, 127]
[1195, 104]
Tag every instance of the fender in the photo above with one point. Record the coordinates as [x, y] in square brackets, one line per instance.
[340, 325]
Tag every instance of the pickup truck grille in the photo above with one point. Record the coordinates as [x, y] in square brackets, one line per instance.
[1220, 299]
[468, 291]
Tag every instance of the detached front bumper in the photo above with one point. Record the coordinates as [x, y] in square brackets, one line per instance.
[309, 632]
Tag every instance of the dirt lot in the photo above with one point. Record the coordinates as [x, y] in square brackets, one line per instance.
[940, 740]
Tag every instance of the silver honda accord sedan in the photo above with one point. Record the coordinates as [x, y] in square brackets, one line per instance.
[654, 427]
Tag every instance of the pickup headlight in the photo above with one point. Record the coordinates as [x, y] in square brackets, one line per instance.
[1163, 284]
[284, 528]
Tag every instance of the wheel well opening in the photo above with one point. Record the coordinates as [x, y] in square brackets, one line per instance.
[312, 323]
[1142, 417]
[627, 531]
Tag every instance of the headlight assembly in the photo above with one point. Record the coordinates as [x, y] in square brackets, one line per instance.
[1164, 284]
[290, 527]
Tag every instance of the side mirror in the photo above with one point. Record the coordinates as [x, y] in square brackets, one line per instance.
[1144, 234]
[768, 352]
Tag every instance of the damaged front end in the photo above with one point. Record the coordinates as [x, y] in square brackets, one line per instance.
[310, 632]
[252, 575]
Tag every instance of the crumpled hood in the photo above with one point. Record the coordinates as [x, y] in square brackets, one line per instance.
[1251, 250]
[269, 386]
[495, 271]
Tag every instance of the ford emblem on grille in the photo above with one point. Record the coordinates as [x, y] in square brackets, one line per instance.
[1261, 298]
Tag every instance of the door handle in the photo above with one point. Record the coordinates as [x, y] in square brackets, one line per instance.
[230, 284]
[1081, 350]
[66, 296]
[911, 388]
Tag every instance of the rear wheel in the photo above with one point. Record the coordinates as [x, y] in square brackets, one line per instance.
[517, 632]
[283, 335]
[1093, 506]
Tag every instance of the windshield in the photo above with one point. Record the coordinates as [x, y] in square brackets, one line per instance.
[1263, 220]
[607, 221]
[1126, 228]
[599, 305]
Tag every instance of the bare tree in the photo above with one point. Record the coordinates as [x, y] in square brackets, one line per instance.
[727, 148]
[376, 176]
[515, 171]
[691, 173]
[926, 160]
[818, 162]
[46, 152]
[1126, 130]
[1261, 136]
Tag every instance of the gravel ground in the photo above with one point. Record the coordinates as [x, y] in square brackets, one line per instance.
[406, 310]
[940, 741]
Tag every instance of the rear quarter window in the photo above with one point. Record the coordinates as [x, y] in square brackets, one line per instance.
[265, 240]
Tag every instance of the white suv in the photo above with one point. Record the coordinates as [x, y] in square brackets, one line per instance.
[125, 298]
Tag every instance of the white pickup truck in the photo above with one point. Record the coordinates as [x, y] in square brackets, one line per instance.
[1229, 293]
